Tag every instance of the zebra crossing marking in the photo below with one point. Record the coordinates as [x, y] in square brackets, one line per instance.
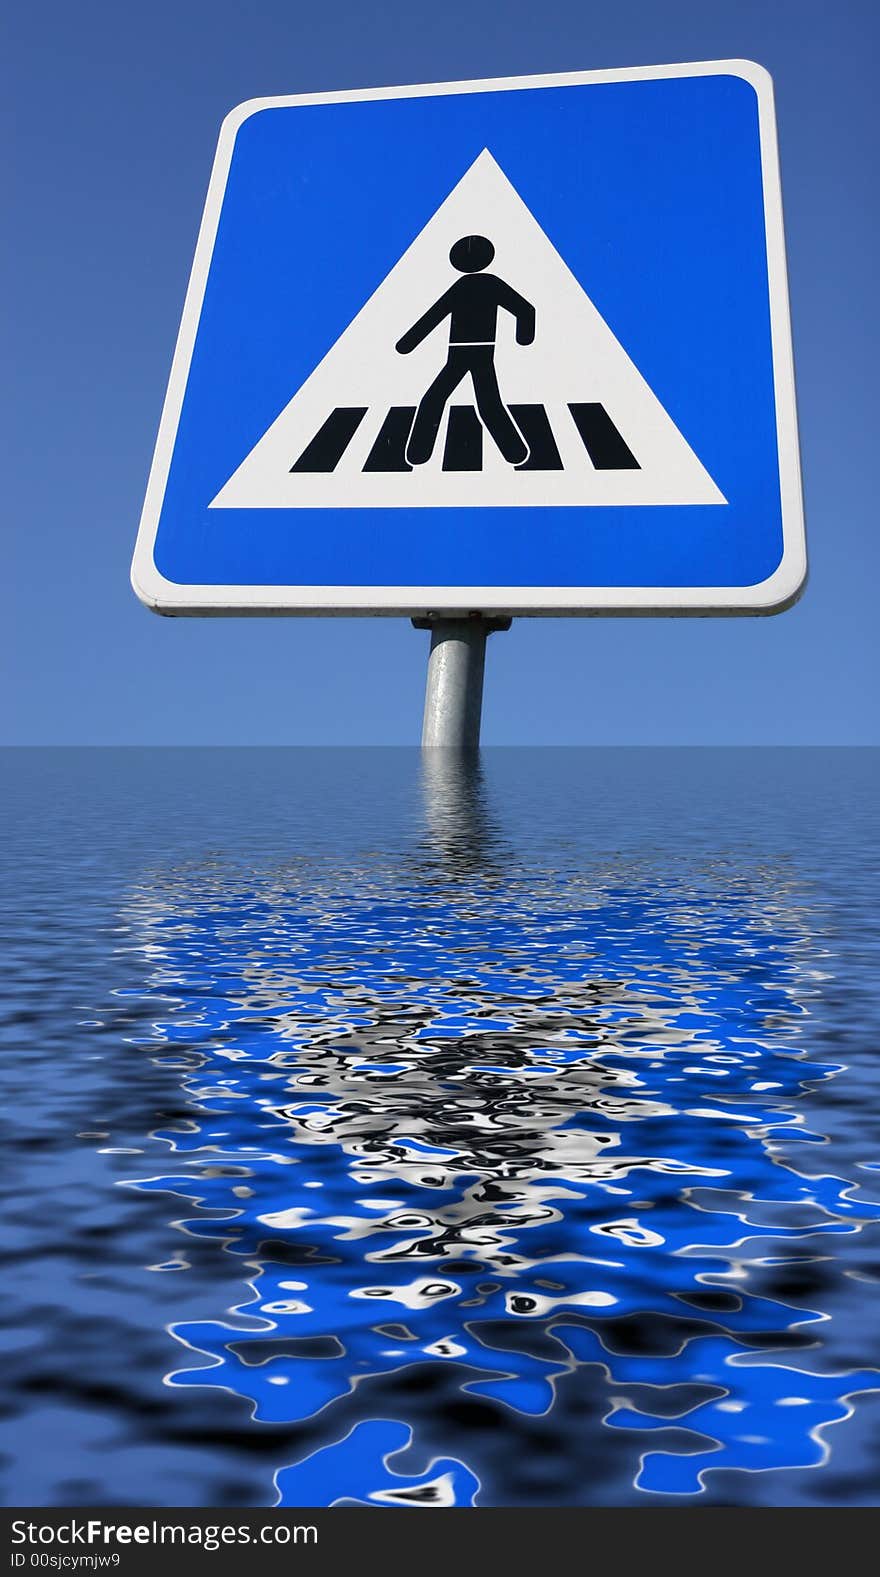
[463, 448]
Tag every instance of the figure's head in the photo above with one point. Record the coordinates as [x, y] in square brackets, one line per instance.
[471, 253]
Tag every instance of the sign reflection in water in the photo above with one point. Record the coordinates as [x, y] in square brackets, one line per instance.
[509, 1158]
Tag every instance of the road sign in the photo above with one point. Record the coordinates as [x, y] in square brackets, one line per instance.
[515, 347]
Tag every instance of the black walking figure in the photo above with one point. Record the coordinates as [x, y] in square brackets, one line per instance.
[472, 305]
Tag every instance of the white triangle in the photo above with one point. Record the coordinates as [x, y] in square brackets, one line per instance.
[575, 358]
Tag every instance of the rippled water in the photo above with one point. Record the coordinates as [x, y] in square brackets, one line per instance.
[388, 1133]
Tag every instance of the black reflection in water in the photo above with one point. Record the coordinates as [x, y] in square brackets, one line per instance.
[507, 1157]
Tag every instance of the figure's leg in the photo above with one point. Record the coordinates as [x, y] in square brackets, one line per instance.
[494, 414]
[430, 412]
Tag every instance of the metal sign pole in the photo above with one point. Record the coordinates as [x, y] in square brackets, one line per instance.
[454, 689]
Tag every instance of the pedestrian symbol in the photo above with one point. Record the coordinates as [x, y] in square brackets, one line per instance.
[508, 389]
[472, 306]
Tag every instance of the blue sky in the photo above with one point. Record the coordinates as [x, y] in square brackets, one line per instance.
[113, 116]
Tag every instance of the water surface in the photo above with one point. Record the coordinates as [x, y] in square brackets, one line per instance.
[396, 1134]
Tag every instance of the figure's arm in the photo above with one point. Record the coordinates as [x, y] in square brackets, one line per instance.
[521, 309]
[425, 325]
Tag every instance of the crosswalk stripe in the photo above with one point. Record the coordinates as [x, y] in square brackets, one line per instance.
[331, 441]
[534, 424]
[464, 440]
[603, 443]
[389, 451]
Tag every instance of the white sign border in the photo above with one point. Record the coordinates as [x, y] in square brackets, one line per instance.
[779, 591]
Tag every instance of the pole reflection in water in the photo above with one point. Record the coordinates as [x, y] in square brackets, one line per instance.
[460, 836]
[509, 1159]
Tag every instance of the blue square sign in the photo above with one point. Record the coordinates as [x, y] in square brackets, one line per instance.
[510, 347]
